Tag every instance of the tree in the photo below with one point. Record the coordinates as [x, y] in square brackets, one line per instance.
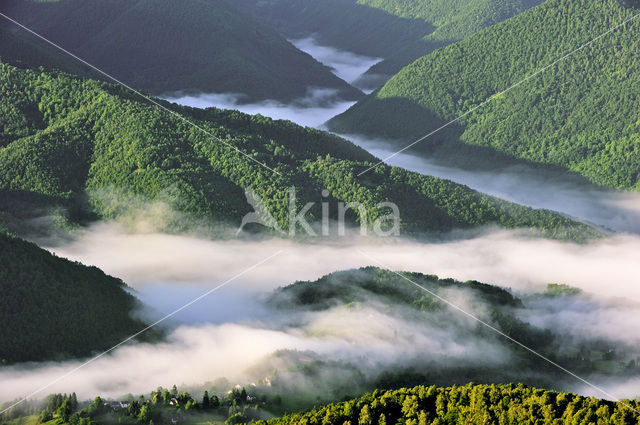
[236, 418]
[145, 414]
[205, 400]
[65, 410]
[45, 416]
[214, 402]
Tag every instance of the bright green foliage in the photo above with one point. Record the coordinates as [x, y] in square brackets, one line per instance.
[469, 404]
[88, 137]
[580, 114]
[54, 308]
[164, 45]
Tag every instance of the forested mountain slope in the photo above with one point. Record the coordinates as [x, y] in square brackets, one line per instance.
[581, 114]
[469, 404]
[19, 49]
[162, 46]
[399, 31]
[93, 146]
[52, 308]
[346, 24]
[402, 304]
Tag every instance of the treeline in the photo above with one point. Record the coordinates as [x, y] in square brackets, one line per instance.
[579, 115]
[469, 404]
[52, 308]
[359, 285]
[97, 148]
[63, 406]
[162, 406]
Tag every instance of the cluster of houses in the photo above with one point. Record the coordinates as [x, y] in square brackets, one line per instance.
[116, 405]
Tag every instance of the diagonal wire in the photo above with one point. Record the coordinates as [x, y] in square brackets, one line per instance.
[151, 100]
[498, 331]
[173, 313]
[493, 97]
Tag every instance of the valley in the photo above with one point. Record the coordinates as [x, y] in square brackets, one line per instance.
[213, 223]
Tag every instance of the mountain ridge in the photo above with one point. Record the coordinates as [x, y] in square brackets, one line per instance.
[160, 46]
[89, 143]
[577, 115]
[52, 308]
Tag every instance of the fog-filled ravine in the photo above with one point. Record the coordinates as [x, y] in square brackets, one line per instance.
[234, 333]
[313, 110]
[521, 184]
[619, 211]
[237, 335]
[192, 265]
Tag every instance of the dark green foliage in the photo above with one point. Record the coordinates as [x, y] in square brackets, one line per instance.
[399, 31]
[359, 285]
[103, 151]
[21, 49]
[579, 115]
[163, 45]
[346, 24]
[469, 404]
[53, 308]
[388, 288]
[454, 20]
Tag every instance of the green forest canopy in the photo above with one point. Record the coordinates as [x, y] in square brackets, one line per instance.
[52, 308]
[469, 404]
[580, 115]
[88, 145]
[421, 405]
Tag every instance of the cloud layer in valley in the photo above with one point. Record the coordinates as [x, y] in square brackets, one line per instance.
[315, 109]
[194, 355]
[346, 65]
[312, 111]
[535, 188]
[229, 331]
[498, 257]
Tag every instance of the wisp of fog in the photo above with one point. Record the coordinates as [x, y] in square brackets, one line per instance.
[229, 332]
[346, 65]
[313, 110]
[523, 185]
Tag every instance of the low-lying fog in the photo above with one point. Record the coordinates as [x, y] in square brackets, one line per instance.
[315, 109]
[526, 186]
[312, 111]
[346, 65]
[228, 332]
[523, 185]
